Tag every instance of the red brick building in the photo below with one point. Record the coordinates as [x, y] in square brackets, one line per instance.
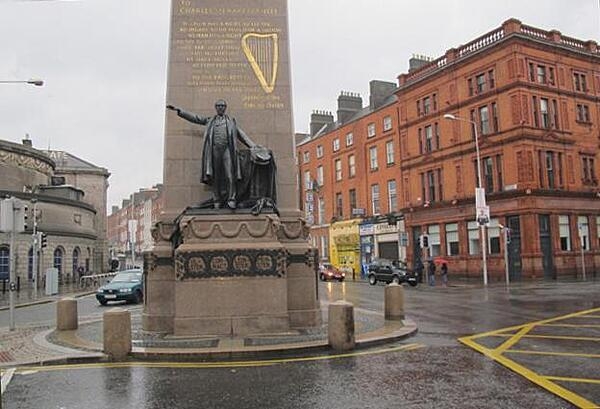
[129, 226]
[534, 97]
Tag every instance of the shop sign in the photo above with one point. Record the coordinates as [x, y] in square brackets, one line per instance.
[358, 212]
[366, 229]
[384, 228]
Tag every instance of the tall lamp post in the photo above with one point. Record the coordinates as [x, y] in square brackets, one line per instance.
[479, 195]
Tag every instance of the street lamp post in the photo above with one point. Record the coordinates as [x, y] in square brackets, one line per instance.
[36, 82]
[479, 189]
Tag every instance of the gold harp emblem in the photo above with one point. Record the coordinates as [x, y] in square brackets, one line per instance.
[262, 51]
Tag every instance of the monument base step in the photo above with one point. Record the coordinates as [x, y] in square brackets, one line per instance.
[239, 326]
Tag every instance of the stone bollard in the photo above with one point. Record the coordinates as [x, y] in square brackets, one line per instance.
[341, 326]
[117, 333]
[66, 314]
[394, 302]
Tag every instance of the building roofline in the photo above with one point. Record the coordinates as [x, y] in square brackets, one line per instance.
[88, 167]
[510, 29]
[26, 150]
[356, 117]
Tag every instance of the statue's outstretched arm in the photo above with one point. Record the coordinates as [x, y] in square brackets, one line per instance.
[245, 139]
[188, 116]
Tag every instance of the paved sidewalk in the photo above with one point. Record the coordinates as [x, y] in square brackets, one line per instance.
[28, 346]
[27, 296]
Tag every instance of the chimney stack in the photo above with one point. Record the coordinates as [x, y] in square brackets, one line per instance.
[349, 103]
[418, 61]
[27, 141]
[319, 120]
[380, 91]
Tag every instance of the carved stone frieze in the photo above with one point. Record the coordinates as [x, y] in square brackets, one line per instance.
[198, 265]
[152, 261]
[310, 257]
[227, 229]
[15, 159]
[162, 231]
[293, 230]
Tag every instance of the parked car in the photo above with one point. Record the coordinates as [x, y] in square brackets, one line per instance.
[390, 272]
[125, 286]
[329, 272]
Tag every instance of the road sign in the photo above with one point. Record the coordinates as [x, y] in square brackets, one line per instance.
[483, 216]
[358, 211]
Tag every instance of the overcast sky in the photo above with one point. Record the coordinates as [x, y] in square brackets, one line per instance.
[104, 64]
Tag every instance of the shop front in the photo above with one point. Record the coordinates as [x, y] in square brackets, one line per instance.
[344, 250]
[367, 246]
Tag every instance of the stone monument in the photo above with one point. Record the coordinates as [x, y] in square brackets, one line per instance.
[229, 270]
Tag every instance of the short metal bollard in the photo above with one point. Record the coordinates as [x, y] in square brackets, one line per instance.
[341, 326]
[66, 315]
[394, 302]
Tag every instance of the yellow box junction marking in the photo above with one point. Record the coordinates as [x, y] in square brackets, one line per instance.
[516, 333]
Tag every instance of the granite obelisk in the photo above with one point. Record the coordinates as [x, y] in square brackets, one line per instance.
[229, 273]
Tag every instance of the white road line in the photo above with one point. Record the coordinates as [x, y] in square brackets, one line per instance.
[6, 378]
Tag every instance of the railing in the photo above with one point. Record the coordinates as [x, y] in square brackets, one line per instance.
[493, 37]
[573, 43]
[481, 42]
[95, 280]
[534, 32]
[433, 65]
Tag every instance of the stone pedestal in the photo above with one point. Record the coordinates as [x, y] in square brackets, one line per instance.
[230, 274]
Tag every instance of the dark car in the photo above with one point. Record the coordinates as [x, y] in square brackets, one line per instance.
[390, 272]
[330, 272]
[125, 286]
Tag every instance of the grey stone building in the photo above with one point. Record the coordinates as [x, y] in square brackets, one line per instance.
[70, 198]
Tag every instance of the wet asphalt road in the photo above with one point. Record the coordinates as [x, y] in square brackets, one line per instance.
[441, 374]
[45, 314]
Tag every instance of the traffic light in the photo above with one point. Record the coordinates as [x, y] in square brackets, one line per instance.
[25, 215]
[43, 240]
[424, 241]
[508, 235]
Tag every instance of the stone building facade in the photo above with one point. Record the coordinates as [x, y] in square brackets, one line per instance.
[73, 221]
[533, 96]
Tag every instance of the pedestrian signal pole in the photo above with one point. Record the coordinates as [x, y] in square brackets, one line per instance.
[34, 260]
[506, 236]
[13, 220]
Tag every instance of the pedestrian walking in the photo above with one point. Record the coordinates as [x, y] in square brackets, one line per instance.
[419, 270]
[444, 271]
[431, 273]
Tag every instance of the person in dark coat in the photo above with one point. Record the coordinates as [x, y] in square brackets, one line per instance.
[220, 163]
[431, 273]
[444, 271]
